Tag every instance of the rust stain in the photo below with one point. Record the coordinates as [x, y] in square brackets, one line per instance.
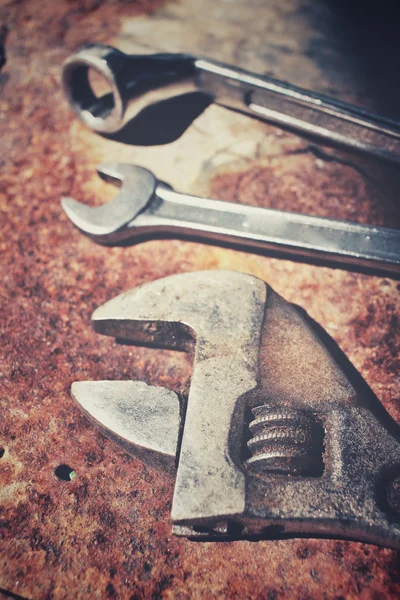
[106, 532]
[311, 184]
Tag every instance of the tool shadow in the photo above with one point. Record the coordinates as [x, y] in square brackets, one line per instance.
[163, 122]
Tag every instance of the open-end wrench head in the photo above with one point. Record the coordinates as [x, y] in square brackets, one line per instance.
[117, 173]
[137, 188]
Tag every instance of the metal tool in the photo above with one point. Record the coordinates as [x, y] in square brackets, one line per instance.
[139, 81]
[147, 207]
[275, 437]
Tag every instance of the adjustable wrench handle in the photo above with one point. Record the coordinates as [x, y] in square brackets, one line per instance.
[326, 241]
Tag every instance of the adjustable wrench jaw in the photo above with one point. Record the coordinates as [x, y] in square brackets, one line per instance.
[274, 438]
[172, 312]
[145, 420]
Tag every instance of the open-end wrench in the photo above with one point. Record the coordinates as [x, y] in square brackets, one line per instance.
[138, 81]
[146, 207]
[278, 434]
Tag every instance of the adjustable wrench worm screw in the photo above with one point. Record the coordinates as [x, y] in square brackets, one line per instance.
[284, 441]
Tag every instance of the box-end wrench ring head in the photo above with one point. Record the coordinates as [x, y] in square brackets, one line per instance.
[134, 81]
[103, 114]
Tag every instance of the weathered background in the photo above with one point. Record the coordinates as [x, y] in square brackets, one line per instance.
[106, 533]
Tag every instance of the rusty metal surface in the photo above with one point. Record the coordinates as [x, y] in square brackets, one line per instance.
[105, 533]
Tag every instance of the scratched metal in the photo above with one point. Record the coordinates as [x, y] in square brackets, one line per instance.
[106, 533]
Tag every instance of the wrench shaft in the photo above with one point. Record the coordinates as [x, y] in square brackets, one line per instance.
[326, 241]
[137, 82]
[334, 122]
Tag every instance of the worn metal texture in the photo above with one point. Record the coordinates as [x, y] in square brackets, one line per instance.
[225, 311]
[323, 456]
[105, 533]
[136, 416]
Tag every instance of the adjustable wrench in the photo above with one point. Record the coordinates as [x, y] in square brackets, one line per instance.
[145, 206]
[277, 435]
[139, 81]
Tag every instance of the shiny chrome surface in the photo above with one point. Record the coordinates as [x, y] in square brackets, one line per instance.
[136, 82]
[302, 237]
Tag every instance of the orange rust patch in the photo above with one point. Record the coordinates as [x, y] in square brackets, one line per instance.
[309, 185]
[106, 533]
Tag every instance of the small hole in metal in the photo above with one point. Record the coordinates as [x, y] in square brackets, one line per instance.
[1, 451]
[65, 473]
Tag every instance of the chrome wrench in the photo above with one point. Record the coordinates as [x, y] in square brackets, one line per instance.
[139, 81]
[148, 207]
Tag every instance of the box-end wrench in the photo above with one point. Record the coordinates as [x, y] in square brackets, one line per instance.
[148, 207]
[138, 81]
